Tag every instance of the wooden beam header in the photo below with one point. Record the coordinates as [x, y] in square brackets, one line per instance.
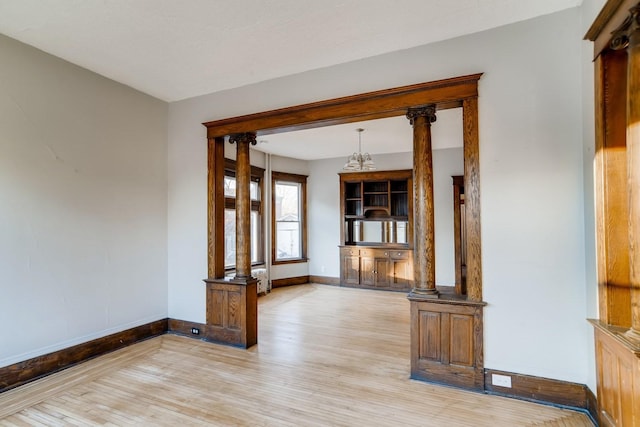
[447, 93]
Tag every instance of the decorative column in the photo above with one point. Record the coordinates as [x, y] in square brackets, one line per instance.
[243, 202]
[215, 202]
[627, 36]
[424, 250]
[232, 303]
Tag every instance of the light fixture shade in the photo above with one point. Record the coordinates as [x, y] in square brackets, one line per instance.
[358, 161]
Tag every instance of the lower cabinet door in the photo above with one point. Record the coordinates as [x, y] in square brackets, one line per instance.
[367, 271]
[350, 270]
[381, 273]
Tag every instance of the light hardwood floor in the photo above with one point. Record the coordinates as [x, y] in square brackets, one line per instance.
[326, 356]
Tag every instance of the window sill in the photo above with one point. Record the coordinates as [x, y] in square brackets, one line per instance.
[290, 261]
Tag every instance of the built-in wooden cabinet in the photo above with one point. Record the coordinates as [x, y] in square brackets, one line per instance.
[376, 212]
[376, 268]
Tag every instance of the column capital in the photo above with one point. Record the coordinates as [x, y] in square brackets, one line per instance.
[427, 111]
[622, 34]
[249, 137]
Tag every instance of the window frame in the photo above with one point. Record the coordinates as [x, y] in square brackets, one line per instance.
[302, 181]
[257, 175]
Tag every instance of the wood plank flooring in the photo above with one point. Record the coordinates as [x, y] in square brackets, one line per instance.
[326, 356]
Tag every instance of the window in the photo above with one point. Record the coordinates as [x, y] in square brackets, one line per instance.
[289, 218]
[255, 193]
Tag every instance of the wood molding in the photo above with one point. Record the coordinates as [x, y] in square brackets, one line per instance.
[610, 17]
[325, 280]
[184, 327]
[445, 93]
[29, 370]
[541, 389]
[288, 281]
[592, 405]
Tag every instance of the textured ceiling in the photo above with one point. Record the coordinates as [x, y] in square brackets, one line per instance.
[177, 49]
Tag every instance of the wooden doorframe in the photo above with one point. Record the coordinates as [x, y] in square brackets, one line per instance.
[457, 92]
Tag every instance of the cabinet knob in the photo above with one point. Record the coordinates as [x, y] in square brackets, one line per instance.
[386, 253]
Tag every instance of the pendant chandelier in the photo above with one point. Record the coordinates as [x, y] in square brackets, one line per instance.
[359, 161]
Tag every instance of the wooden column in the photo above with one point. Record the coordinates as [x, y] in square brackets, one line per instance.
[424, 249]
[243, 202]
[472, 199]
[633, 165]
[628, 36]
[216, 207]
[232, 308]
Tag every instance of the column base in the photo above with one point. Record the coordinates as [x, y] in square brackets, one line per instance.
[232, 311]
[424, 293]
[633, 336]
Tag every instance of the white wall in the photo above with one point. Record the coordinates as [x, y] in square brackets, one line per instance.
[83, 225]
[589, 11]
[531, 170]
[324, 209]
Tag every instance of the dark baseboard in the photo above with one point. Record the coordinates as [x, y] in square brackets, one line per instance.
[325, 280]
[184, 327]
[544, 390]
[300, 280]
[592, 405]
[28, 370]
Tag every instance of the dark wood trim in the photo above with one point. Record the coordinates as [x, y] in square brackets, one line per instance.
[288, 281]
[215, 207]
[445, 94]
[302, 180]
[610, 17]
[541, 389]
[592, 405]
[472, 224]
[257, 173]
[325, 280]
[290, 261]
[184, 327]
[458, 202]
[29, 370]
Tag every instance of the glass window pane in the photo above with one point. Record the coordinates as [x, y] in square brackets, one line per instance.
[288, 240]
[229, 237]
[254, 191]
[287, 201]
[229, 186]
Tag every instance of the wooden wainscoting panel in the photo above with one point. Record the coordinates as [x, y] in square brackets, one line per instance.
[216, 298]
[430, 337]
[618, 375]
[31, 369]
[461, 340]
[232, 312]
[446, 342]
[234, 309]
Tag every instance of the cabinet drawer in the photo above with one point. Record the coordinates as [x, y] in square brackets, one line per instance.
[396, 254]
[350, 251]
[374, 253]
